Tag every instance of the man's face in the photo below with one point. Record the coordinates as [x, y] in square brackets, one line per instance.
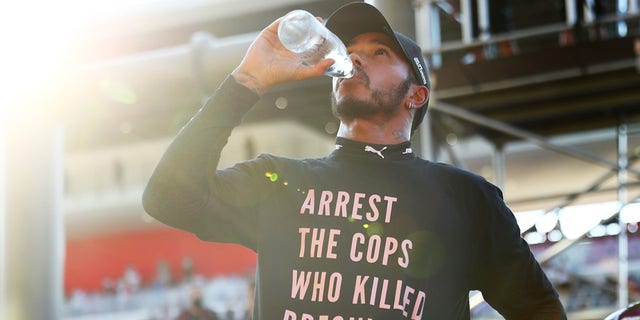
[380, 82]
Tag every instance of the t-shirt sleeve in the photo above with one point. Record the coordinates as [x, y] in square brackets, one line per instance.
[510, 278]
[187, 191]
[231, 212]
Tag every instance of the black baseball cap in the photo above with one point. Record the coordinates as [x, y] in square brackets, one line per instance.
[357, 18]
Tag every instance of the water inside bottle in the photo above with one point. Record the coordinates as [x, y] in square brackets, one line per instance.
[325, 49]
[302, 34]
[342, 68]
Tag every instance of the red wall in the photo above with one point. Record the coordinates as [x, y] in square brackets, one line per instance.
[89, 261]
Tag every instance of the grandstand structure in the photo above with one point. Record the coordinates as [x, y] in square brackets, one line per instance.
[540, 97]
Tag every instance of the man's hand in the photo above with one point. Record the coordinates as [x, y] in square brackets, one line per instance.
[268, 62]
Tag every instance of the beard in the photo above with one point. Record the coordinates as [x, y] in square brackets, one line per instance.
[379, 103]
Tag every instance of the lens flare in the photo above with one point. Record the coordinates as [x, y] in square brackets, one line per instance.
[273, 177]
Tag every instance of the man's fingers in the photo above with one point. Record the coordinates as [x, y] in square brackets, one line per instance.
[325, 64]
[316, 70]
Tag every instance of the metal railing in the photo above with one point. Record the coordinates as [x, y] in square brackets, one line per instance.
[474, 22]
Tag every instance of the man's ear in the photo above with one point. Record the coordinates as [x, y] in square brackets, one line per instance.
[419, 95]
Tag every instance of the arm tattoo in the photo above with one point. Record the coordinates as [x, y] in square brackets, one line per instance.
[248, 80]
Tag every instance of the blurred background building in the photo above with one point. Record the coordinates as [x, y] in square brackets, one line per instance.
[540, 97]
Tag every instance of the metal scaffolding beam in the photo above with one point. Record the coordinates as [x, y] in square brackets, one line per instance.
[595, 186]
[526, 135]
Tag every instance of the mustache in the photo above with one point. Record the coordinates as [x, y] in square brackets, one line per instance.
[360, 71]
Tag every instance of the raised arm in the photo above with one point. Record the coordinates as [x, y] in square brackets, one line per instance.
[268, 63]
[186, 190]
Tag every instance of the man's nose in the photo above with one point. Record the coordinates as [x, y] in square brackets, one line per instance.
[357, 59]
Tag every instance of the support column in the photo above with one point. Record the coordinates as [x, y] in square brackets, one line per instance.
[427, 30]
[633, 7]
[624, 10]
[571, 12]
[399, 14]
[3, 214]
[424, 25]
[427, 146]
[34, 242]
[483, 19]
[466, 21]
[623, 244]
[499, 166]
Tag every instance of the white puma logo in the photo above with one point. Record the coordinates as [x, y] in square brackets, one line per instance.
[378, 152]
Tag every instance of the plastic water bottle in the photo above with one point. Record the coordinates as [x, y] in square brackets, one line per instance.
[301, 33]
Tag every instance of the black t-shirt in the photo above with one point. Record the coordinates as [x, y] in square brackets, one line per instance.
[367, 232]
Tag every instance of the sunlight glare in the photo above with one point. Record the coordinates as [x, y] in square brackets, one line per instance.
[39, 34]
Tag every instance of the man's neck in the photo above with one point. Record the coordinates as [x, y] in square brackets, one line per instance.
[367, 131]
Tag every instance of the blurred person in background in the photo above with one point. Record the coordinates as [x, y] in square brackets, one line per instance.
[187, 270]
[370, 231]
[196, 310]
